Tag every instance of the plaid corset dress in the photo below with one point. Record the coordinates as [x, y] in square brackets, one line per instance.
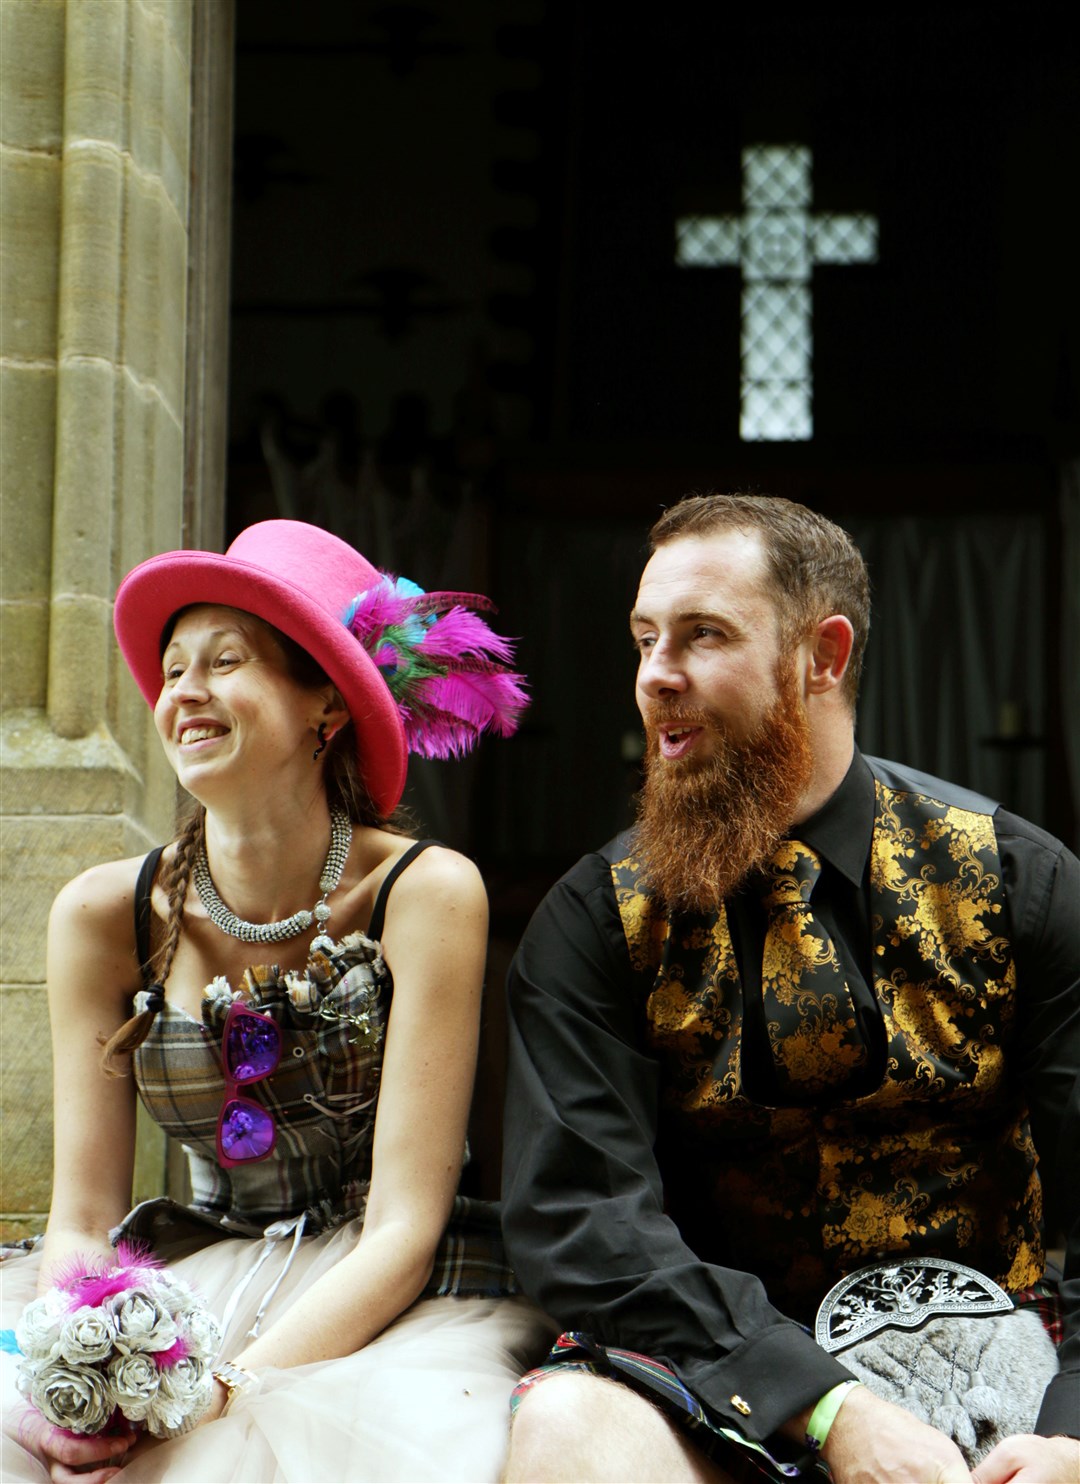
[323, 1098]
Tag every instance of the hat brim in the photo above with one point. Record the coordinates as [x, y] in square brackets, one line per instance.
[158, 588]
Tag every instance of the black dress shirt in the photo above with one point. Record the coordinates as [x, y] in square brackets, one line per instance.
[584, 1210]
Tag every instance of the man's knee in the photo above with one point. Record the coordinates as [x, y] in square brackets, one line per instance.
[563, 1412]
[575, 1427]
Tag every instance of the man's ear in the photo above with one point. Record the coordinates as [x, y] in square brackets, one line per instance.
[830, 650]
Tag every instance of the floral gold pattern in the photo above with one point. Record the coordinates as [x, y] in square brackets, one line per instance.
[809, 1015]
[937, 1160]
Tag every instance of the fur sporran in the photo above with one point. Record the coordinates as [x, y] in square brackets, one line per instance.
[978, 1379]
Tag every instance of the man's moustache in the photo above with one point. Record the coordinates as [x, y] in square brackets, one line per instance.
[680, 716]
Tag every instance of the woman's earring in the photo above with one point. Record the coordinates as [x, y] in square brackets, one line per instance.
[323, 739]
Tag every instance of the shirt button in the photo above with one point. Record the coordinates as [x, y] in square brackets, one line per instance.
[741, 1406]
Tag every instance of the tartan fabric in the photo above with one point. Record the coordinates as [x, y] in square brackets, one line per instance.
[323, 1099]
[470, 1261]
[574, 1351]
[1046, 1300]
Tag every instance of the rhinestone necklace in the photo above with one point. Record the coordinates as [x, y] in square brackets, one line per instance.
[289, 927]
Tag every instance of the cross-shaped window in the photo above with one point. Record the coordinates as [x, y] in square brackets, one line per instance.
[776, 242]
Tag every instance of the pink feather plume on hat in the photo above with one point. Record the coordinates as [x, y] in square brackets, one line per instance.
[446, 669]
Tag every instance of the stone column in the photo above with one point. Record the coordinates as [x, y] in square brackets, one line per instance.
[104, 458]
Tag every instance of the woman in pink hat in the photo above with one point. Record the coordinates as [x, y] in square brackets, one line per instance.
[293, 987]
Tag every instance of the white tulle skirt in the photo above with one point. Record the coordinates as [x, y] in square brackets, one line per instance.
[428, 1399]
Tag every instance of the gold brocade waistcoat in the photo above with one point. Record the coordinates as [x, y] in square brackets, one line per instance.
[937, 1160]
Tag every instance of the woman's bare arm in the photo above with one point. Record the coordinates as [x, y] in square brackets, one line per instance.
[92, 974]
[435, 943]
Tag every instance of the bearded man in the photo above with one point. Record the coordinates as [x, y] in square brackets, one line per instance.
[780, 1062]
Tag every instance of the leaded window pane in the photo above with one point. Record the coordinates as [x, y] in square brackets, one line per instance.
[776, 175]
[775, 245]
[844, 239]
[705, 241]
[777, 339]
[775, 413]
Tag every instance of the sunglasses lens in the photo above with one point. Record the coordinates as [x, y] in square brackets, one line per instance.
[252, 1048]
[247, 1131]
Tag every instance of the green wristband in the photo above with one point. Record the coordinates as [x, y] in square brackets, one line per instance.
[824, 1415]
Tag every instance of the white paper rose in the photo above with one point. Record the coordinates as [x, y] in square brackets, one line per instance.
[87, 1336]
[183, 1395]
[202, 1332]
[79, 1400]
[37, 1331]
[300, 990]
[218, 993]
[134, 1380]
[141, 1322]
[24, 1376]
[173, 1294]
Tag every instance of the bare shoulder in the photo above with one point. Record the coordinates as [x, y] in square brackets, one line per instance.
[438, 879]
[435, 936]
[101, 894]
[92, 928]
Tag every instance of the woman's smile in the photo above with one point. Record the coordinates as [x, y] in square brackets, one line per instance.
[191, 732]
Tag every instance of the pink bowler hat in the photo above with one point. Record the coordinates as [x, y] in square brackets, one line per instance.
[302, 580]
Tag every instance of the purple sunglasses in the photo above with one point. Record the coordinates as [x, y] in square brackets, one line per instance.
[250, 1051]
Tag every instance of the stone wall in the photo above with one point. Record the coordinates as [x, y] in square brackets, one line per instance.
[97, 100]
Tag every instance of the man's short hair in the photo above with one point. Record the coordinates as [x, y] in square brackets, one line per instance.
[815, 569]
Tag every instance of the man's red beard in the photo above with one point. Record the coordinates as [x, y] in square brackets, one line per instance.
[703, 826]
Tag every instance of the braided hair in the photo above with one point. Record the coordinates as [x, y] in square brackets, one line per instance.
[176, 881]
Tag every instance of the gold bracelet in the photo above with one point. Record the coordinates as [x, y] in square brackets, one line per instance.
[234, 1379]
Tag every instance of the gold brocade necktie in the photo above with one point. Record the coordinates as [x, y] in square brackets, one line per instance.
[809, 1012]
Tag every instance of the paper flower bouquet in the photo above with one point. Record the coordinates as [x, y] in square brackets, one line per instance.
[125, 1337]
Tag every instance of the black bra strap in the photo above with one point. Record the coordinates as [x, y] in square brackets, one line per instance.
[144, 886]
[375, 928]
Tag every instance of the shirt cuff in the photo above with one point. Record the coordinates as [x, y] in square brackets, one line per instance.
[766, 1381]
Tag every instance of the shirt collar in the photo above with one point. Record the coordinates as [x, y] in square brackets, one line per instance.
[841, 829]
